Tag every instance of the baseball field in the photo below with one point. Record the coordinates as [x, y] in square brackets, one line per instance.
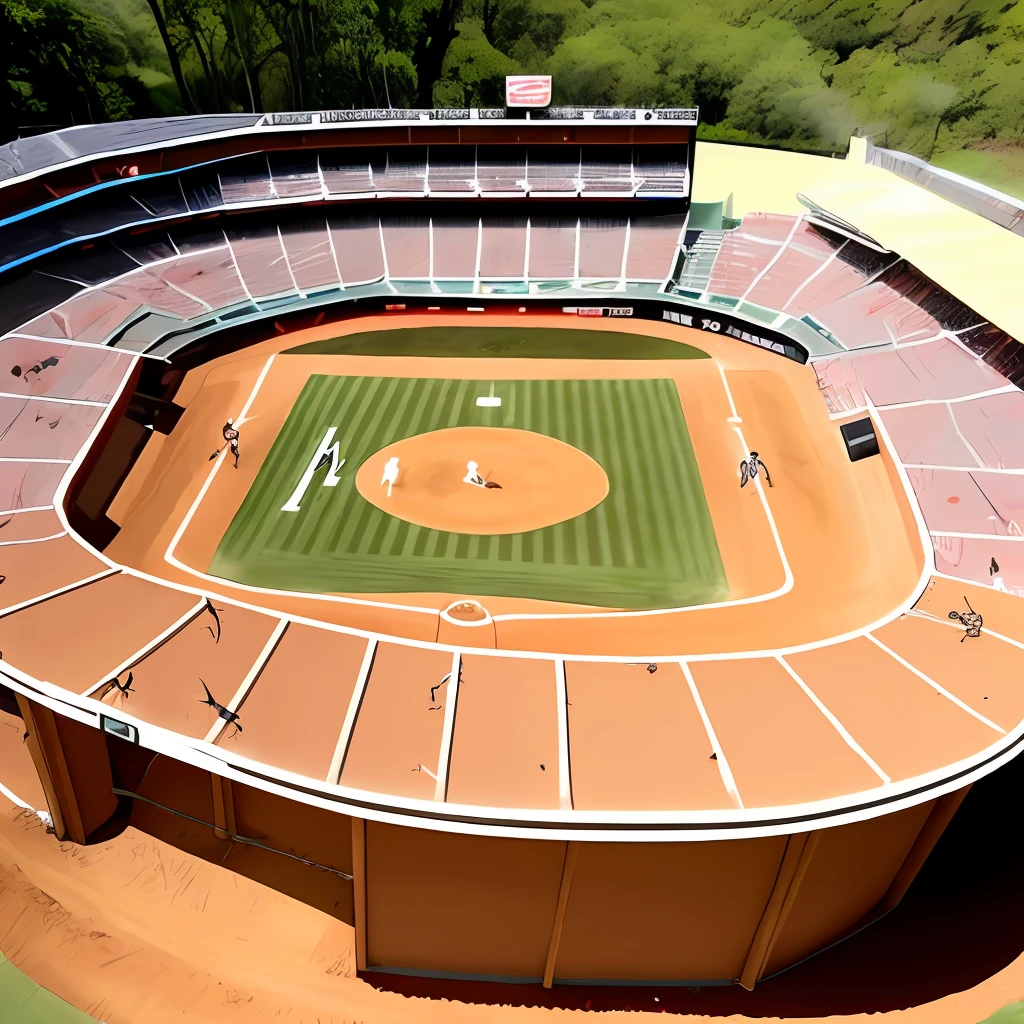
[649, 543]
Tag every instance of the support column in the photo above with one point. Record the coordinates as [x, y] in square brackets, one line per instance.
[935, 824]
[48, 757]
[223, 807]
[795, 862]
[359, 889]
[564, 886]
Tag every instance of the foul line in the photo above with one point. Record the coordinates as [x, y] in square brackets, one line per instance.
[787, 584]
[172, 559]
[16, 800]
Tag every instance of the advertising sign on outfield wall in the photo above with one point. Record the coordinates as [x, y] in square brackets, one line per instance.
[527, 90]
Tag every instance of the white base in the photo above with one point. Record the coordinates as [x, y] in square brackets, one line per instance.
[488, 402]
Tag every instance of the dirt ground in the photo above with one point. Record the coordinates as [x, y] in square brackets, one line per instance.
[137, 932]
[542, 480]
[825, 509]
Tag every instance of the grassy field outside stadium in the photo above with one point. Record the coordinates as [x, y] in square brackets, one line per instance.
[649, 544]
[22, 1001]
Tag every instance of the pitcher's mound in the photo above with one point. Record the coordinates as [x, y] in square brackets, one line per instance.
[543, 481]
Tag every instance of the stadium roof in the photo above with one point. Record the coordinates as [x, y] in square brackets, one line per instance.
[970, 256]
[30, 155]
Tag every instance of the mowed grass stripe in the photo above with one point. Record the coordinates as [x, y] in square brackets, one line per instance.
[314, 529]
[407, 422]
[601, 548]
[664, 455]
[650, 544]
[313, 526]
[589, 529]
[619, 535]
[668, 415]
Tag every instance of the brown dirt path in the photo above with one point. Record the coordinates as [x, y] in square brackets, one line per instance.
[137, 932]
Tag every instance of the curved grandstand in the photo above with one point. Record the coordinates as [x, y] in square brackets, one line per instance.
[728, 723]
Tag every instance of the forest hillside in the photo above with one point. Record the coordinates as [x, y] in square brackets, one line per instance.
[943, 79]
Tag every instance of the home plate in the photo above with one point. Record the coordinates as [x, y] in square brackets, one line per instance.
[488, 402]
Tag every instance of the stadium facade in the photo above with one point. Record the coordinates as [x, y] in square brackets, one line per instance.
[135, 253]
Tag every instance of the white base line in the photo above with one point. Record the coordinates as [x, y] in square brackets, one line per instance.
[728, 393]
[16, 800]
[33, 540]
[73, 342]
[562, 721]
[935, 686]
[48, 462]
[716, 748]
[965, 469]
[444, 757]
[931, 617]
[34, 508]
[1005, 390]
[354, 703]
[978, 536]
[787, 584]
[170, 557]
[67, 589]
[836, 724]
[54, 400]
[151, 645]
[250, 678]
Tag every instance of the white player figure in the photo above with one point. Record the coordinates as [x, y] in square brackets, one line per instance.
[390, 476]
[473, 475]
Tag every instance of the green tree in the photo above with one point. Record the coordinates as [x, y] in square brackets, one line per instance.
[63, 67]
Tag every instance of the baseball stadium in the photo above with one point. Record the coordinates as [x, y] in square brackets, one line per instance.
[552, 547]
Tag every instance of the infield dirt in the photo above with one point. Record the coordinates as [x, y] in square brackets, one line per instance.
[847, 533]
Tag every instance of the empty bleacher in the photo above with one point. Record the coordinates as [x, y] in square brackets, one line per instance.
[260, 180]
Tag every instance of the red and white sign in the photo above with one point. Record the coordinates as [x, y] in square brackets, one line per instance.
[527, 90]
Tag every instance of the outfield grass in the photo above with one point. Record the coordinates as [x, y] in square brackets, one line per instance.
[506, 342]
[650, 543]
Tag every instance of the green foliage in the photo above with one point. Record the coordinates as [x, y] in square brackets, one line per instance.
[474, 72]
[925, 76]
[65, 64]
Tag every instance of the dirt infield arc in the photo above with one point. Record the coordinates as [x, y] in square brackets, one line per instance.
[541, 480]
